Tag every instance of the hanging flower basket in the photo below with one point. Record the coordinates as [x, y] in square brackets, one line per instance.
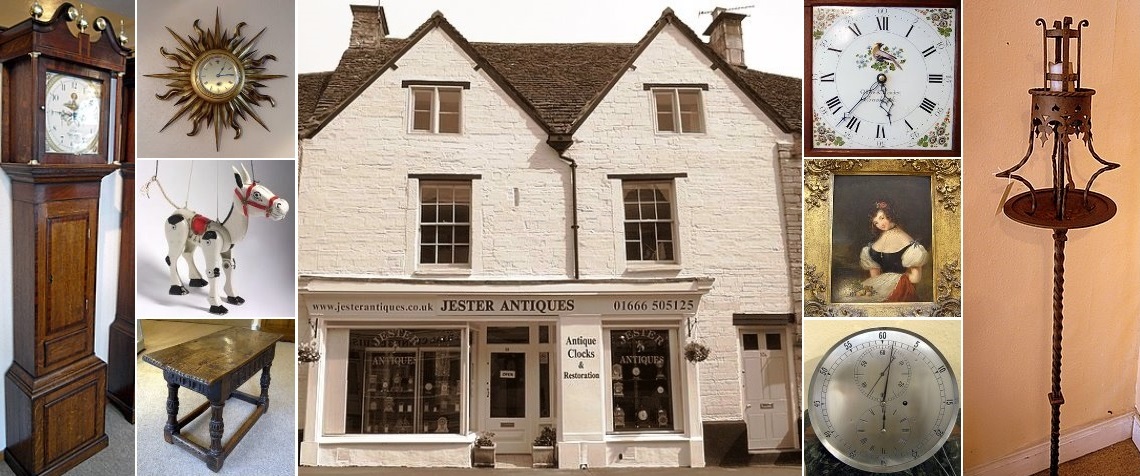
[696, 352]
[308, 353]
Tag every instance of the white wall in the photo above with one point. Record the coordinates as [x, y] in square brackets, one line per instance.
[274, 15]
[730, 216]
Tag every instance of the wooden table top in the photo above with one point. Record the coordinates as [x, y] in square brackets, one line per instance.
[210, 358]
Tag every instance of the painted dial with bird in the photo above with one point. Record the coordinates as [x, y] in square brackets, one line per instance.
[71, 114]
[218, 74]
[883, 78]
[883, 400]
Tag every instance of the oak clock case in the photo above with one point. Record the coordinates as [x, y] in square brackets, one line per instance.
[883, 400]
[58, 76]
[884, 78]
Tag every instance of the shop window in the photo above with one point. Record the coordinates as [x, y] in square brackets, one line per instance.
[649, 231]
[445, 223]
[641, 380]
[404, 381]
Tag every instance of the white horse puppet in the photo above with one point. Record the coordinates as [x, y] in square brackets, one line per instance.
[187, 230]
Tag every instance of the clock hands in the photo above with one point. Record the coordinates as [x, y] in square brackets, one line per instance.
[880, 82]
[886, 385]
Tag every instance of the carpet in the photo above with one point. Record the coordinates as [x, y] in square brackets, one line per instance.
[268, 448]
[1118, 459]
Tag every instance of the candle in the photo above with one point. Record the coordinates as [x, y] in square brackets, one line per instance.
[1058, 68]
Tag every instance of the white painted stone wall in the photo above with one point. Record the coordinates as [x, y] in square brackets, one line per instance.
[729, 205]
[360, 208]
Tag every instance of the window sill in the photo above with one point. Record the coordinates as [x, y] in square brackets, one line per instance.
[647, 436]
[442, 271]
[403, 438]
[634, 267]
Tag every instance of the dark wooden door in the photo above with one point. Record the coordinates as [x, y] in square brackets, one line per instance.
[69, 268]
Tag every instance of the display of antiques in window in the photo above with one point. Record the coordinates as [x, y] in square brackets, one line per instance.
[1062, 111]
[641, 380]
[407, 381]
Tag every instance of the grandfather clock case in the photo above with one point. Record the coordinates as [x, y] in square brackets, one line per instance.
[121, 344]
[59, 79]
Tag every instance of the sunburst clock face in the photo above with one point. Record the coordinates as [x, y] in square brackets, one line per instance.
[215, 79]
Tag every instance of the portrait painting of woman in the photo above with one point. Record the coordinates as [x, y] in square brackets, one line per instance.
[881, 230]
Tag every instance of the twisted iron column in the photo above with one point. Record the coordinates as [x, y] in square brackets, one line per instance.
[1056, 398]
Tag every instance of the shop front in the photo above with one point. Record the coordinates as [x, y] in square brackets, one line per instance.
[412, 371]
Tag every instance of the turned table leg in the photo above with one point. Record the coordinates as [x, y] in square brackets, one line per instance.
[264, 400]
[171, 412]
[216, 454]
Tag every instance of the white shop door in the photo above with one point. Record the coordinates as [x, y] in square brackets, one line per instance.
[766, 391]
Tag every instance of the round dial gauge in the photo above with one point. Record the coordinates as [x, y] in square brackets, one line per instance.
[883, 77]
[72, 114]
[865, 418]
[218, 75]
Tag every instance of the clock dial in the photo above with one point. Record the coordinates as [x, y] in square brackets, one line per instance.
[883, 78]
[72, 114]
[883, 400]
[218, 75]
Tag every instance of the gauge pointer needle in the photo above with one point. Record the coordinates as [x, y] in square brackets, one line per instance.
[866, 94]
[886, 385]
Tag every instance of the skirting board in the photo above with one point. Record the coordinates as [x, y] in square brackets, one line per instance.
[1074, 444]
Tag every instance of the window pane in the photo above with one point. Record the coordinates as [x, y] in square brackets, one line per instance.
[664, 101]
[630, 195]
[632, 211]
[449, 123]
[421, 121]
[463, 235]
[665, 231]
[463, 254]
[544, 383]
[407, 382]
[666, 251]
[508, 335]
[665, 122]
[446, 194]
[449, 101]
[422, 99]
[632, 232]
[751, 342]
[427, 234]
[633, 250]
[463, 213]
[447, 213]
[663, 211]
[445, 234]
[648, 211]
[429, 194]
[640, 380]
[427, 213]
[445, 255]
[427, 254]
[508, 384]
[773, 341]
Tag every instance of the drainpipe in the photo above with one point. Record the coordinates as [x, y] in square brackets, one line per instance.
[561, 143]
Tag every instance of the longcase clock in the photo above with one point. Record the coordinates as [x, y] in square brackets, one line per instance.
[59, 78]
[121, 345]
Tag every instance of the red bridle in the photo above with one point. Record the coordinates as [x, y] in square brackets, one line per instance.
[245, 202]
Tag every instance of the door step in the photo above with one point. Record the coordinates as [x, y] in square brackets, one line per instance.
[512, 461]
[784, 458]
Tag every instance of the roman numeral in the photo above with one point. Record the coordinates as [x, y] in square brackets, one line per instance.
[908, 31]
[880, 131]
[853, 124]
[882, 21]
[828, 78]
[908, 126]
[855, 29]
[934, 78]
[928, 51]
[834, 105]
[927, 105]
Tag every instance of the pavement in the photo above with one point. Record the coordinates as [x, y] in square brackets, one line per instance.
[742, 471]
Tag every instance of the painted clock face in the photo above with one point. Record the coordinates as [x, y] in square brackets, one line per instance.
[218, 75]
[883, 400]
[72, 114]
[883, 78]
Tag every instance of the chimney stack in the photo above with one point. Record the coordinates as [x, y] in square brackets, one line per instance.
[368, 25]
[727, 36]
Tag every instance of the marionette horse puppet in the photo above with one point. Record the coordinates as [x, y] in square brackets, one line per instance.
[187, 231]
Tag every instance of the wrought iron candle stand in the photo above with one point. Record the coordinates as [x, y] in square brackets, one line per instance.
[1062, 110]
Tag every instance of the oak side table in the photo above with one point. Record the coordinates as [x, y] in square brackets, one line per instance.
[215, 366]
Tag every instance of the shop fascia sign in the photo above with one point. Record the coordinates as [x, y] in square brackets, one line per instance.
[505, 305]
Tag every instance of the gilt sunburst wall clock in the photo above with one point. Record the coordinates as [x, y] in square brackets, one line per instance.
[215, 79]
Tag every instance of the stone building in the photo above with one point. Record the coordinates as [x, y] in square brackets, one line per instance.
[503, 237]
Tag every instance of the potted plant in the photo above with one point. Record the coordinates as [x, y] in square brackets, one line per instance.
[542, 453]
[483, 455]
[696, 352]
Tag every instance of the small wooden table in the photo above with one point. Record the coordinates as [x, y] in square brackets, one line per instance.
[215, 366]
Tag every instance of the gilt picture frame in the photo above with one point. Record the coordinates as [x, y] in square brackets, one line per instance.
[921, 198]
